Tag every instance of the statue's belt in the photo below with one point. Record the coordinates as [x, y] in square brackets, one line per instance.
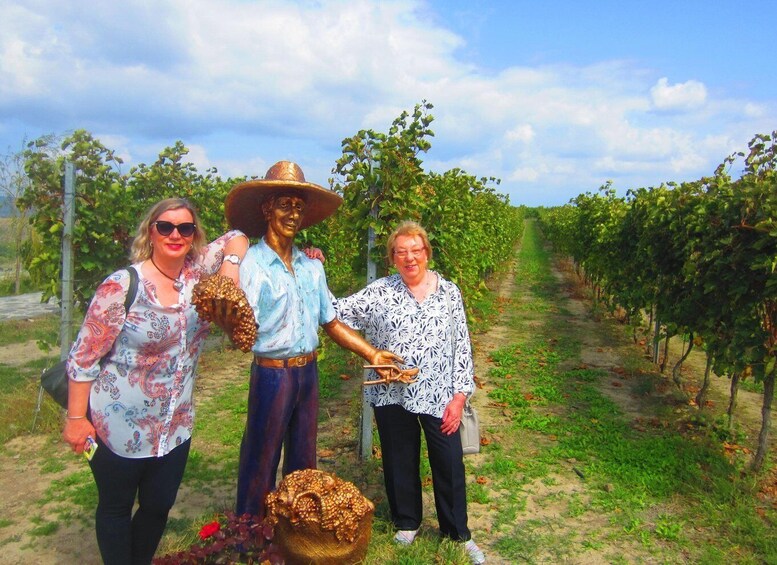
[299, 361]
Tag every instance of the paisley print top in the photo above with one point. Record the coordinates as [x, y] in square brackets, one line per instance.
[392, 319]
[143, 366]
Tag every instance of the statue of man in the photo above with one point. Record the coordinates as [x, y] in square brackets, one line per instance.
[290, 299]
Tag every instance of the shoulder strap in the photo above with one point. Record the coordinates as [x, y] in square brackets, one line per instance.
[132, 291]
[453, 324]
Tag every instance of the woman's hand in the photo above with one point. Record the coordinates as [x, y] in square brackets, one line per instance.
[77, 426]
[314, 253]
[451, 418]
[76, 432]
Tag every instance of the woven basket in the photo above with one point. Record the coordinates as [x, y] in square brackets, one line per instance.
[307, 544]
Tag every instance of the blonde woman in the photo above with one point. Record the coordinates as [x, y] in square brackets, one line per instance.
[131, 377]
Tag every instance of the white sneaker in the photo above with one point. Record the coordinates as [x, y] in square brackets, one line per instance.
[476, 556]
[405, 537]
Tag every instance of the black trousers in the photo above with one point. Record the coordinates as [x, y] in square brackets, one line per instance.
[124, 538]
[400, 439]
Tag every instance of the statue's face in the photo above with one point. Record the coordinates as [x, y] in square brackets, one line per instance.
[284, 215]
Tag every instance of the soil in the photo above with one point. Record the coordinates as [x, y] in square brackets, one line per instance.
[23, 483]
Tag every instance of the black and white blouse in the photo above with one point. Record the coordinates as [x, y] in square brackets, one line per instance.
[392, 319]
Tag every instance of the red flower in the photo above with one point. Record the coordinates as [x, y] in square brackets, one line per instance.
[209, 529]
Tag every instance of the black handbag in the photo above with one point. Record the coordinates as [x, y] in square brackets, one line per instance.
[54, 380]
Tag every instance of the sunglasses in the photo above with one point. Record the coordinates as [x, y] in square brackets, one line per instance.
[185, 229]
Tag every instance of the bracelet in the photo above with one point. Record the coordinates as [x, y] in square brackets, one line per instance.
[69, 417]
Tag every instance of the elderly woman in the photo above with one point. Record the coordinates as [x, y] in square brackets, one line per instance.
[420, 316]
[131, 377]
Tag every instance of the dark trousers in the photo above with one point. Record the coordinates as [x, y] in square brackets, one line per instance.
[125, 539]
[282, 412]
[400, 440]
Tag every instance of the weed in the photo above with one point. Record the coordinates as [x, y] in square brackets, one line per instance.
[477, 493]
[668, 528]
[43, 528]
[522, 543]
[52, 466]
[592, 544]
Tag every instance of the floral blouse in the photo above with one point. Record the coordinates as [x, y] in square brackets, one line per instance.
[393, 320]
[143, 366]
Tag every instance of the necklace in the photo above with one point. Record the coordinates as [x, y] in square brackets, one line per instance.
[177, 285]
[420, 295]
[428, 282]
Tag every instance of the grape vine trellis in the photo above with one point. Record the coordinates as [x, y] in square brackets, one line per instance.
[700, 257]
[472, 227]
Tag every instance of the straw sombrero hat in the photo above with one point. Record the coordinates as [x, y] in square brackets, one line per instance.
[243, 206]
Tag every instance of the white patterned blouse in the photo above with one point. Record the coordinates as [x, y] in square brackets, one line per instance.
[393, 320]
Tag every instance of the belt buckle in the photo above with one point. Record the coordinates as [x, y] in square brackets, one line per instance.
[300, 361]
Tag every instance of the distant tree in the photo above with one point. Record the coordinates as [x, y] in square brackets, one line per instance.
[171, 175]
[13, 182]
[106, 213]
[109, 205]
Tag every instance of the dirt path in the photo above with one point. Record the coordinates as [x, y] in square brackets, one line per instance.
[29, 465]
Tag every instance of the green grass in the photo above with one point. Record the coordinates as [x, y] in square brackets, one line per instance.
[19, 394]
[44, 328]
[653, 484]
[43, 528]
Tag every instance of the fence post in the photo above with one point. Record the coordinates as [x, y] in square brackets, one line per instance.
[365, 422]
[69, 203]
[66, 306]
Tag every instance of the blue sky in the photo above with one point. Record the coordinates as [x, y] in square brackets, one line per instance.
[554, 98]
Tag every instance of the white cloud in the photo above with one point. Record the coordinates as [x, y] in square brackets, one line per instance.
[252, 167]
[198, 156]
[523, 133]
[291, 79]
[682, 96]
[752, 110]
[119, 144]
[524, 174]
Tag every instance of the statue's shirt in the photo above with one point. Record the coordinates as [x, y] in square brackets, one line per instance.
[288, 308]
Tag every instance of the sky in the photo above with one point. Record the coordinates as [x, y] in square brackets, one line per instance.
[554, 98]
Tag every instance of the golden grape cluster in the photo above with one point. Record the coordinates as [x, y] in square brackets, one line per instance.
[311, 496]
[217, 299]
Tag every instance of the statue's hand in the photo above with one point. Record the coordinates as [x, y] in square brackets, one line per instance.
[217, 299]
[385, 364]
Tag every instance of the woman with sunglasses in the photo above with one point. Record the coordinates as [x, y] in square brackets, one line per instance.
[131, 377]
